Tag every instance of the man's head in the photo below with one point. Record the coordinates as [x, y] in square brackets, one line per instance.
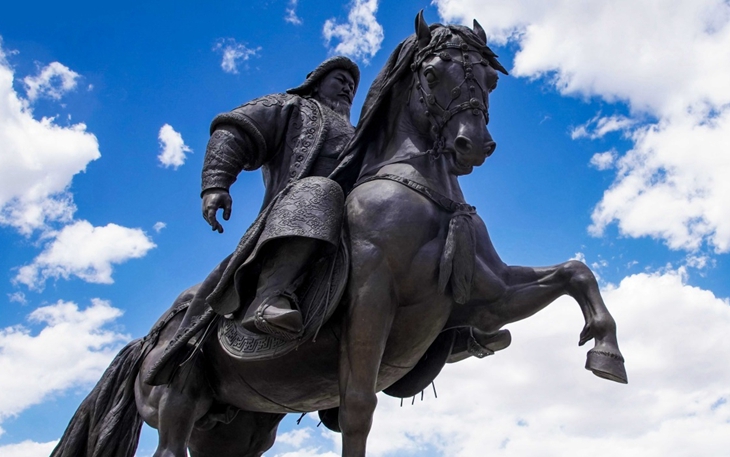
[333, 83]
[336, 90]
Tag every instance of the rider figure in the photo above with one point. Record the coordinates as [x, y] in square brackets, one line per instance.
[263, 133]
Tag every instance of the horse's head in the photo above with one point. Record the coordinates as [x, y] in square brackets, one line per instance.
[454, 73]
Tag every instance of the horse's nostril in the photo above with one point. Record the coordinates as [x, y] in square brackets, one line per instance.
[490, 147]
[462, 144]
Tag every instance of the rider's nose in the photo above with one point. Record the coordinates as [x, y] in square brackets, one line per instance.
[462, 144]
[489, 148]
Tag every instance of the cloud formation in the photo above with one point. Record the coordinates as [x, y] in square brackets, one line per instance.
[361, 36]
[61, 347]
[600, 126]
[38, 159]
[604, 160]
[291, 13]
[670, 62]
[172, 148]
[28, 449]
[53, 81]
[86, 252]
[233, 54]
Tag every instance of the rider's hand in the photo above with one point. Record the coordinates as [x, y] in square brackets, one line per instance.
[213, 200]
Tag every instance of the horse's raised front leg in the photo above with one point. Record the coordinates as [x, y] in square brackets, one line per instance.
[504, 294]
[370, 312]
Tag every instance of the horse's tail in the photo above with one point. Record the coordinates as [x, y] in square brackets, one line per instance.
[107, 423]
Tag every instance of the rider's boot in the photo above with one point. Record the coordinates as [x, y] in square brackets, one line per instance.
[274, 309]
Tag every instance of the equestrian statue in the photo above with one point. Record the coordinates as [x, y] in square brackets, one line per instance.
[365, 258]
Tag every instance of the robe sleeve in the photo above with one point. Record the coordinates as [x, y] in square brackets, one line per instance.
[245, 139]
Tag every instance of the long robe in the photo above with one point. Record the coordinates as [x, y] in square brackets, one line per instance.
[289, 137]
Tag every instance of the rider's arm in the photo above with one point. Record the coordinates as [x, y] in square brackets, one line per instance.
[228, 153]
[245, 139]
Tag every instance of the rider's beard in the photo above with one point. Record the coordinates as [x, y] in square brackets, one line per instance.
[338, 106]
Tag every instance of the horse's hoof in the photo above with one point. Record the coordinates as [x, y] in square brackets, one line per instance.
[607, 365]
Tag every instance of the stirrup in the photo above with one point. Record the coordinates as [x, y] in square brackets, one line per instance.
[499, 340]
[269, 325]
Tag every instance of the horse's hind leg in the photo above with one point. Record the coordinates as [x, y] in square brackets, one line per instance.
[247, 435]
[370, 312]
[173, 409]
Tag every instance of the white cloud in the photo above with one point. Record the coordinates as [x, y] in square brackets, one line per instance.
[295, 438]
[72, 348]
[535, 398]
[579, 256]
[38, 160]
[308, 452]
[291, 13]
[666, 57]
[670, 60]
[604, 160]
[599, 126]
[700, 262]
[53, 81]
[85, 251]
[18, 297]
[234, 53]
[673, 185]
[361, 36]
[172, 147]
[159, 226]
[28, 449]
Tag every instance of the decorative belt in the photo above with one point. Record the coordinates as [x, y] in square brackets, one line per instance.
[441, 200]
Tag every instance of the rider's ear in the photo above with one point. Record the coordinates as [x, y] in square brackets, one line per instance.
[422, 31]
[480, 31]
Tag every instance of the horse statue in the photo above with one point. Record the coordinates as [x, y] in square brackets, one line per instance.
[424, 279]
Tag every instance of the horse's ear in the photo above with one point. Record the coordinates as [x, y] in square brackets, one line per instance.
[480, 31]
[423, 33]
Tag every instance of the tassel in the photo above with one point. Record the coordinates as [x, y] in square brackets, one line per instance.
[458, 258]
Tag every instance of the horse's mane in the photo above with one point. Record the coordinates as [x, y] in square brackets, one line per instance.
[390, 89]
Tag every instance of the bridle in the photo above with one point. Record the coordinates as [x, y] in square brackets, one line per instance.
[438, 114]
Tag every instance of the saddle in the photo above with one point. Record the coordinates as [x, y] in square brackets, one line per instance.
[318, 296]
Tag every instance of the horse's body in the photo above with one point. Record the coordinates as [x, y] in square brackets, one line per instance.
[404, 287]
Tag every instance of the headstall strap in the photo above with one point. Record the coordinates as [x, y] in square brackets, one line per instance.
[439, 116]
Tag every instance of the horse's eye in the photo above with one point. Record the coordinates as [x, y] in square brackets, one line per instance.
[431, 77]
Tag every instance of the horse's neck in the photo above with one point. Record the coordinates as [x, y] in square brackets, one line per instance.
[404, 154]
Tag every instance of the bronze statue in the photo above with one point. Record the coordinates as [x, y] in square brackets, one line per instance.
[414, 266]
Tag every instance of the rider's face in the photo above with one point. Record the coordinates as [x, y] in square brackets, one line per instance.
[337, 88]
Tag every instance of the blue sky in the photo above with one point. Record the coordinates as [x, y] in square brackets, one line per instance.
[613, 137]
